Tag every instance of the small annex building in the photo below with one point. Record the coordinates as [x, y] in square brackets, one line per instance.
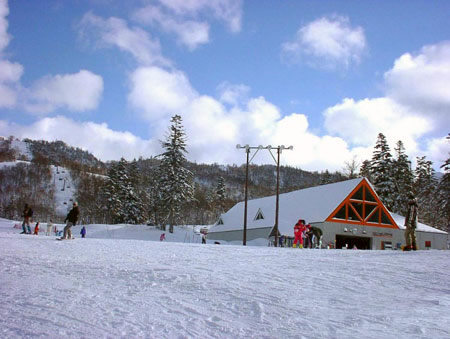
[348, 213]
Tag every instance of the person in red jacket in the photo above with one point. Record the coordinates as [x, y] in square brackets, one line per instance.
[299, 228]
[36, 229]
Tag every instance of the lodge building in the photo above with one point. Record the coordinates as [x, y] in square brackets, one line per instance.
[348, 213]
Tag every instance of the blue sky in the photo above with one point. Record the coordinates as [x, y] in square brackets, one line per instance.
[323, 76]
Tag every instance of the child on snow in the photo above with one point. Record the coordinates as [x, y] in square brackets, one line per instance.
[83, 232]
[162, 237]
[49, 228]
[36, 229]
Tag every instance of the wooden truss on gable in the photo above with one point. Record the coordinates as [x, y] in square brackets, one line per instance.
[363, 207]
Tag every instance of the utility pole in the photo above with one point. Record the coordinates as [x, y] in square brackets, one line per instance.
[277, 162]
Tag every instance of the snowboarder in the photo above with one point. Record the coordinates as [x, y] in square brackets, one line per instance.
[71, 219]
[411, 223]
[49, 227]
[36, 229]
[27, 214]
[83, 232]
[162, 237]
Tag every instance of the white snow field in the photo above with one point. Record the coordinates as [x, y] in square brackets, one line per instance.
[115, 286]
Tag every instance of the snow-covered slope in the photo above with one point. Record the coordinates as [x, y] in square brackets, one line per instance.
[108, 287]
[64, 189]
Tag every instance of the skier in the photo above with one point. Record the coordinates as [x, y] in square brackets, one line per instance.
[299, 228]
[203, 238]
[83, 232]
[162, 237]
[71, 219]
[49, 227]
[36, 229]
[411, 223]
[27, 214]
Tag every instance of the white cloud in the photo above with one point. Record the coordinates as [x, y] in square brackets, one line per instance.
[228, 11]
[98, 139]
[213, 130]
[10, 73]
[190, 33]
[115, 32]
[233, 94]
[359, 122]
[4, 36]
[76, 92]
[157, 93]
[422, 82]
[327, 42]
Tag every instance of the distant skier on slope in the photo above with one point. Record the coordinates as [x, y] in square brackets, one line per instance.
[71, 219]
[411, 224]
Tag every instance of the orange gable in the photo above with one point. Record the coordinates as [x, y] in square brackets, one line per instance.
[363, 207]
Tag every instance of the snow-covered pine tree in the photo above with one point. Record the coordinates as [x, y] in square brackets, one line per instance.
[425, 186]
[112, 194]
[364, 170]
[443, 197]
[176, 181]
[123, 203]
[220, 195]
[403, 179]
[381, 171]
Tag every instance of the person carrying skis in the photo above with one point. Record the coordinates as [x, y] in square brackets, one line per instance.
[71, 219]
[411, 223]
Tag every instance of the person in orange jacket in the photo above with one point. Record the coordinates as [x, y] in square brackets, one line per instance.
[36, 229]
[299, 228]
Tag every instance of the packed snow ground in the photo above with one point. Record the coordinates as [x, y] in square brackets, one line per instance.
[112, 285]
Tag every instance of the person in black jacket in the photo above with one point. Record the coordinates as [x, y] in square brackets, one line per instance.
[71, 219]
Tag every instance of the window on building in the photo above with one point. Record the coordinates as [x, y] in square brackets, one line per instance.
[259, 215]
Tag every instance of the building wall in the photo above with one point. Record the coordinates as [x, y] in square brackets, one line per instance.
[379, 235]
[252, 234]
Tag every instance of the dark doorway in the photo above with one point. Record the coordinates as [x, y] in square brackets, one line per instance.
[361, 243]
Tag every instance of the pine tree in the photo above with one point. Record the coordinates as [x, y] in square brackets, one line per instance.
[425, 186]
[402, 178]
[381, 171]
[112, 193]
[364, 170]
[443, 197]
[176, 181]
[123, 202]
[220, 195]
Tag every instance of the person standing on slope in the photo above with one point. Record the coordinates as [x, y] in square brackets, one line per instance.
[27, 214]
[71, 219]
[411, 224]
